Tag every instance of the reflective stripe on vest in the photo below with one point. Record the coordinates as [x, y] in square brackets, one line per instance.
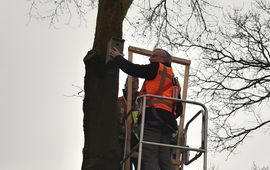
[161, 85]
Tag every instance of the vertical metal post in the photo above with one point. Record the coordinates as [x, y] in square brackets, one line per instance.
[141, 134]
[205, 137]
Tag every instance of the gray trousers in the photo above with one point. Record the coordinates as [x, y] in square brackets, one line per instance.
[156, 157]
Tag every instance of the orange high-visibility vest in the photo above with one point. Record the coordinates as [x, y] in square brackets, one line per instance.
[161, 85]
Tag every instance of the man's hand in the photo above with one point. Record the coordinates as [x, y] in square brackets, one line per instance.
[114, 52]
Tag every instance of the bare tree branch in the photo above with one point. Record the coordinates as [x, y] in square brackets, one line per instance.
[234, 73]
[225, 142]
[169, 22]
[56, 11]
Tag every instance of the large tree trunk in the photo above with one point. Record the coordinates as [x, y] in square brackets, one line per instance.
[101, 150]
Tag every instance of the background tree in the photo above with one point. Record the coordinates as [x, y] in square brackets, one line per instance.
[256, 167]
[101, 80]
[233, 75]
[228, 82]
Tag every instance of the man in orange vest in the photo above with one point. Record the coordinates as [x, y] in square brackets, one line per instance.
[160, 114]
[123, 114]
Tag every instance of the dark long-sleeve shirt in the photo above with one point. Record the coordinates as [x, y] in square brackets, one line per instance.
[147, 71]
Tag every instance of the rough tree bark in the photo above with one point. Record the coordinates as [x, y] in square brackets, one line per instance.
[101, 89]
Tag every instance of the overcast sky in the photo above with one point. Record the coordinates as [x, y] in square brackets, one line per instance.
[41, 128]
